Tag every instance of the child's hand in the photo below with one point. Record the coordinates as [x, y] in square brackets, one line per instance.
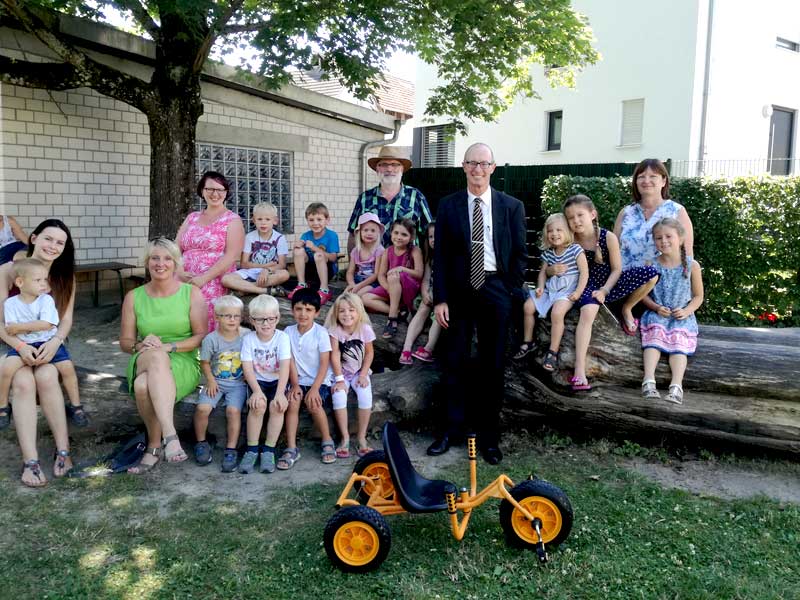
[539, 292]
[296, 393]
[263, 277]
[681, 313]
[299, 244]
[599, 295]
[310, 245]
[28, 354]
[363, 380]
[574, 296]
[212, 388]
[426, 299]
[257, 401]
[350, 288]
[313, 399]
[664, 311]
[340, 386]
[280, 402]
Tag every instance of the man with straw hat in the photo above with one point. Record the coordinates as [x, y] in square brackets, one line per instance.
[390, 199]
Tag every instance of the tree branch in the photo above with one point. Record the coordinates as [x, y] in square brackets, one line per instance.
[76, 70]
[241, 28]
[141, 15]
[213, 31]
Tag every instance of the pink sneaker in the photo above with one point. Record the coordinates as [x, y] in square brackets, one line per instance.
[295, 290]
[324, 297]
[405, 358]
[423, 354]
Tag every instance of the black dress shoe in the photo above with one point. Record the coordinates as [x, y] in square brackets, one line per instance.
[492, 455]
[439, 446]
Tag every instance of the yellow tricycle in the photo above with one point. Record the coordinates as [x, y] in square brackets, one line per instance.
[534, 514]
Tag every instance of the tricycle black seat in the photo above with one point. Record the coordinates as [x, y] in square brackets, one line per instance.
[416, 493]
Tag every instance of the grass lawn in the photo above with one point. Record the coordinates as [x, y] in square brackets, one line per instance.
[119, 538]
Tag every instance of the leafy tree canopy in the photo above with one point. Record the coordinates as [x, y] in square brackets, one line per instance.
[483, 49]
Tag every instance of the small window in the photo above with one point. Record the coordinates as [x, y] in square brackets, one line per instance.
[554, 120]
[632, 121]
[255, 175]
[438, 146]
[787, 44]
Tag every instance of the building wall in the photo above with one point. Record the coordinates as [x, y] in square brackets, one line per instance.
[648, 53]
[748, 73]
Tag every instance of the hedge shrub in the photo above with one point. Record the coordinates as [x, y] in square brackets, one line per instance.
[747, 239]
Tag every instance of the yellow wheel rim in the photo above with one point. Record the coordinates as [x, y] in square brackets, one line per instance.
[381, 471]
[356, 543]
[544, 510]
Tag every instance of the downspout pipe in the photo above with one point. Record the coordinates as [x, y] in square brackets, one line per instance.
[701, 150]
[398, 123]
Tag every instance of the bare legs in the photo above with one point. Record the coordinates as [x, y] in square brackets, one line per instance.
[633, 300]
[234, 423]
[416, 326]
[380, 305]
[320, 262]
[557, 313]
[154, 389]
[255, 422]
[232, 281]
[26, 384]
[583, 335]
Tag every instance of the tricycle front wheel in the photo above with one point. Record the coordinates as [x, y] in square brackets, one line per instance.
[547, 503]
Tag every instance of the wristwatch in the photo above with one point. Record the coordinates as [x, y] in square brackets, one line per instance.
[173, 347]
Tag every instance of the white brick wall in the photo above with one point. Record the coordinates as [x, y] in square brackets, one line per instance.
[84, 158]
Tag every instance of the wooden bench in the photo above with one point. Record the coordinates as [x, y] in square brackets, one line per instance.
[97, 268]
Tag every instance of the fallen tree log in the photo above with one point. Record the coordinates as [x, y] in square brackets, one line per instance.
[741, 387]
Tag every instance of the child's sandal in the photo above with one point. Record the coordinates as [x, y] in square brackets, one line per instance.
[390, 330]
[328, 454]
[524, 349]
[550, 361]
[60, 466]
[35, 467]
[288, 458]
[649, 391]
[675, 394]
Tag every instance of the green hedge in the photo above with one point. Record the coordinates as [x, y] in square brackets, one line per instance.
[747, 239]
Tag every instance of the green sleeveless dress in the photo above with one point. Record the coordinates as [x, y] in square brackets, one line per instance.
[168, 318]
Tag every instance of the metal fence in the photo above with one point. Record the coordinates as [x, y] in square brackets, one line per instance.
[734, 167]
[523, 182]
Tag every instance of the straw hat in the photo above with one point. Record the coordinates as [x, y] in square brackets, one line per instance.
[390, 153]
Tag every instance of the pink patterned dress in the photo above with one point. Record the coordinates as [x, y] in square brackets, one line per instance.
[202, 246]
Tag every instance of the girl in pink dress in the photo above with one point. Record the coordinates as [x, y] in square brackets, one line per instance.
[400, 271]
[211, 240]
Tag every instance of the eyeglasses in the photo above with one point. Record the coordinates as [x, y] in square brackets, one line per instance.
[473, 163]
[228, 316]
[262, 320]
[215, 191]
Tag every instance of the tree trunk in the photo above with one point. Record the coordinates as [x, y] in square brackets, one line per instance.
[172, 156]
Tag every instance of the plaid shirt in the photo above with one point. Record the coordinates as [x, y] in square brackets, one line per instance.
[409, 203]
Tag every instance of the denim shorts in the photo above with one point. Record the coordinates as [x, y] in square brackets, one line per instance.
[324, 393]
[234, 393]
[60, 355]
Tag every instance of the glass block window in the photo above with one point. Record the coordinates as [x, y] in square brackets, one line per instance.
[254, 176]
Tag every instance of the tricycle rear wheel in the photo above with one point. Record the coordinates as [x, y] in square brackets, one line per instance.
[357, 539]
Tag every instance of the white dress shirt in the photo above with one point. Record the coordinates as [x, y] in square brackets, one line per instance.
[489, 259]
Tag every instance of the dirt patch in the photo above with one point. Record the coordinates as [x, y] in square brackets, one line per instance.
[722, 481]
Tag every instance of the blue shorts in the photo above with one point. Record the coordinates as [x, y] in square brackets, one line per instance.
[324, 393]
[270, 388]
[60, 355]
[234, 393]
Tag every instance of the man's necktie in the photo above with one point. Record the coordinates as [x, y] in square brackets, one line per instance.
[477, 277]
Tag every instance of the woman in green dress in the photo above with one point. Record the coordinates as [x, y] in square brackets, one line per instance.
[163, 323]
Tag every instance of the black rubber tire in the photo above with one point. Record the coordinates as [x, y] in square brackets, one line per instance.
[374, 463]
[548, 502]
[357, 539]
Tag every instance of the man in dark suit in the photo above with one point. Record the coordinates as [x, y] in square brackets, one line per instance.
[480, 259]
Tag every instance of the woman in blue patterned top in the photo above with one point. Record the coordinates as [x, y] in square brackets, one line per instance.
[634, 225]
[558, 292]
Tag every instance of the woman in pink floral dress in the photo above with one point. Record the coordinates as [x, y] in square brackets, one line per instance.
[211, 241]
